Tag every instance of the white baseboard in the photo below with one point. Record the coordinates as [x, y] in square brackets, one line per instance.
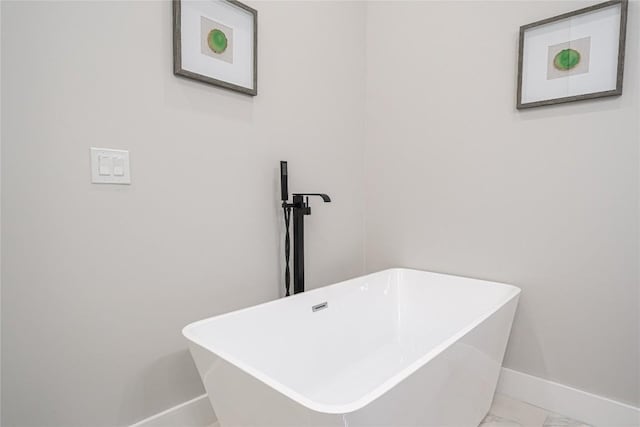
[193, 413]
[577, 404]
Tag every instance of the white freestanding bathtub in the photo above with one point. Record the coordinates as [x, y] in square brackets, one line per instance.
[395, 348]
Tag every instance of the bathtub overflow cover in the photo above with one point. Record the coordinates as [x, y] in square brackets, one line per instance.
[320, 306]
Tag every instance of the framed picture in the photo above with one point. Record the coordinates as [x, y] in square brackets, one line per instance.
[575, 56]
[216, 42]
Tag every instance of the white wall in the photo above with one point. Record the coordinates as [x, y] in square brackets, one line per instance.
[459, 181]
[99, 280]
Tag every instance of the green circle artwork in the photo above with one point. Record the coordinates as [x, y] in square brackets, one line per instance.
[217, 41]
[566, 59]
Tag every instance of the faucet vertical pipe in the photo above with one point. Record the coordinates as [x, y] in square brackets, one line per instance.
[298, 243]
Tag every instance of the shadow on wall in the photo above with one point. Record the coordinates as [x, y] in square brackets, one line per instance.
[192, 96]
[524, 321]
[151, 392]
[560, 111]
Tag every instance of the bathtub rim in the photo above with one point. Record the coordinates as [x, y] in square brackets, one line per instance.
[382, 388]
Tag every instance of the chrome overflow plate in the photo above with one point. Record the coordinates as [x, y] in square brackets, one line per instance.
[320, 306]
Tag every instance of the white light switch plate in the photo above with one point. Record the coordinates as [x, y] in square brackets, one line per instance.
[110, 166]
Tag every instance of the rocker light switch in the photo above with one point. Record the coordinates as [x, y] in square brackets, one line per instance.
[110, 166]
[118, 166]
[104, 165]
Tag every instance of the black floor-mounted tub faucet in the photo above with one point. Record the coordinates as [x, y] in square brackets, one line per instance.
[300, 207]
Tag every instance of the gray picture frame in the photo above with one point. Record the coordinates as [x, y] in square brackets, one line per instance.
[177, 51]
[621, 49]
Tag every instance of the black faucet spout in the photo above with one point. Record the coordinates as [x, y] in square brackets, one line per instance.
[325, 197]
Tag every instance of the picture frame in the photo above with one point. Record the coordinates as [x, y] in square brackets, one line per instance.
[575, 56]
[216, 42]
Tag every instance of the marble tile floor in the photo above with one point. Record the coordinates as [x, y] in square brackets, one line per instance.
[508, 412]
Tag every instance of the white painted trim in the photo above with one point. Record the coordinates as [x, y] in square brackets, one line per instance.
[193, 413]
[577, 404]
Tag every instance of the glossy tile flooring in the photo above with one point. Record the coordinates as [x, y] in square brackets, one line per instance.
[508, 412]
